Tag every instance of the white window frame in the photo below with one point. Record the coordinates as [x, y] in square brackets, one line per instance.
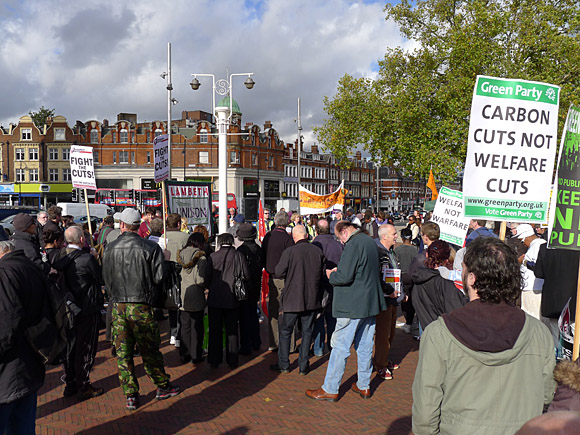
[26, 134]
[203, 136]
[123, 157]
[66, 154]
[20, 176]
[124, 136]
[53, 175]
[66, 175]
[33, 175]
[19, 154]
[203, 157]
[53, 154]
[60, 134]
[33, 154]
[94, 136]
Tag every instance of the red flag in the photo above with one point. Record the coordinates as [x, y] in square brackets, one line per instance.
[265, 289]
[261, 223]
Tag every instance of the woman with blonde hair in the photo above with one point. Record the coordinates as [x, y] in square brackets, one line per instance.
[184, 227]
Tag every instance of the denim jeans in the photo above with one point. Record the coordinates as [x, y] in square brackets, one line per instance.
[18, 417]
[321, 334]
[347, 331]
[286, 327]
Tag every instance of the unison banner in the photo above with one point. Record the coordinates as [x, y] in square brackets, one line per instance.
[191, 200]
[448, 214]
[510, 150]
[311, 203]
[82, 167]
[565, 209]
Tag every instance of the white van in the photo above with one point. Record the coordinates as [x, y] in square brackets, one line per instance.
[79, 209]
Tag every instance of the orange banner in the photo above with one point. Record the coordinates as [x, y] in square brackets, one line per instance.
[311, 203]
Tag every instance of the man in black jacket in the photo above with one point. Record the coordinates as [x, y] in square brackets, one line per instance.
[302, 266]
[23, 293]
[133, 269]
[25, 239]
[84, 280]
[274, 243]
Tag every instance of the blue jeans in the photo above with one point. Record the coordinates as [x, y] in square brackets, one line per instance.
[362, 333]
[319, 334]
[18, 417]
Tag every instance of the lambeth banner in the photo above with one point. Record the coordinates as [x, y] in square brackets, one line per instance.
[448, 214]
[191, 200]
[313, 203]
[565, 209]
[82, 167]
[161, 158]
[510, 150]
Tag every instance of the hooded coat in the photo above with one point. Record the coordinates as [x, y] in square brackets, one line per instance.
[567, 397]
[193, 266]
[489, 377]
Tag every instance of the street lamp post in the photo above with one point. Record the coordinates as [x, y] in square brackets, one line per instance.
[222, 87]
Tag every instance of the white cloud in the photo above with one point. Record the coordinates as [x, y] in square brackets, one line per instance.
[99, 58]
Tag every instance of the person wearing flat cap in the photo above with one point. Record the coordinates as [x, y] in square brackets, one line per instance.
[25, 239]
[233, 230]
[133, 269]
[249, 319]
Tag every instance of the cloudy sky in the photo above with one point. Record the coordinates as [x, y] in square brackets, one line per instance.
[93, 59]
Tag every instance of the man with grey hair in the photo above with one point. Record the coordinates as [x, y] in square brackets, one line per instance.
[24, 291]
[41, 220]
[302, 267]
[84, 280]
[274, 243]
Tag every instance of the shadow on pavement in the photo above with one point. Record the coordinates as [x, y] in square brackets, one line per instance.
[401, 426]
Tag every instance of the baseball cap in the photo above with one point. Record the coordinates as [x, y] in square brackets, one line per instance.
[524, 230]
[117, 216]
[131, 216]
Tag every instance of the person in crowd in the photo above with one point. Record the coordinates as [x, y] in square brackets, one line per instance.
[24, 238]
[155, 230]
[567, 396]
[358, 298]
[553, 423]
[222, 303]
[414, 227]
[133, 269]
[106, 228]
[532, 288]
[268, 220]
[295, 219]
[405, 253]
[158, 214]
[559, 270]
[478, 229]
[311, 226]
[203, 230]
[24, 291]
[193, 261]
[249, 319]
[337, 218]
[116, 232]
[84, 280]
[41, 220]
[369, 225]
[332, 250]
[232, 212]
[145, 228]
[236, 222]
[274, 243]
[381, 218]
[54, 219]
[386, 319]
[301, 266]
[487, 365]
[176, 240]
[184, 225]
[430, 233]
[67, 221]
[53, 243]
[434, 295]
[351, 217]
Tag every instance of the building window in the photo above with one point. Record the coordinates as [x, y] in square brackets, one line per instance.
[203, 157]
[32, 153]
[123, 157]
[53, 154]
[234, 157]
[32, 175]
[133, 157]
[94, 136]
[148, 157]
[66, 154]
[19, 154]
[66, 174]
[59, 134]
[271, 161]
[203, 135]
[254, 159]
[26, 134]
[53, 174]
[124, 135]
[114, 157]
[96, 157]
[20, 176]
[158, 132]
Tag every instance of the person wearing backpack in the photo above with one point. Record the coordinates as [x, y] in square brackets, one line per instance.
[248, 312]
[84, 280]
[23, 294]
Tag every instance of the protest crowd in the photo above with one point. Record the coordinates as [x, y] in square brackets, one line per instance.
[485, 312]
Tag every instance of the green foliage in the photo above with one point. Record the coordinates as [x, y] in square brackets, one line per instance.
[416, 113]
[39, 118]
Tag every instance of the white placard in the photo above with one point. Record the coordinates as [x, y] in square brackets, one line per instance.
[161, 158]
[448, 214]
[510, 150]
[82, 167]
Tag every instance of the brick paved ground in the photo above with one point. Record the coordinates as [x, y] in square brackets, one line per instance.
[250, 399]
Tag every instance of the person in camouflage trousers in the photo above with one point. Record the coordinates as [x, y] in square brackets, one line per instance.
[133, 270]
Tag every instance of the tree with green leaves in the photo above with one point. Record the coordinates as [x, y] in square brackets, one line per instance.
[415, 115]
[39, 118]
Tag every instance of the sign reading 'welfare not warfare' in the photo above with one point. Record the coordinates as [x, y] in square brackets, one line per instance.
[510, 150]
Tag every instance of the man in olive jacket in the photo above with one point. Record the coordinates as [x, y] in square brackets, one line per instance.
[485, 368]
[302, 267]
[358, 298]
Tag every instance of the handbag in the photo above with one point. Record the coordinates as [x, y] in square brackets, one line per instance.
[240, 286]
[169, 296]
